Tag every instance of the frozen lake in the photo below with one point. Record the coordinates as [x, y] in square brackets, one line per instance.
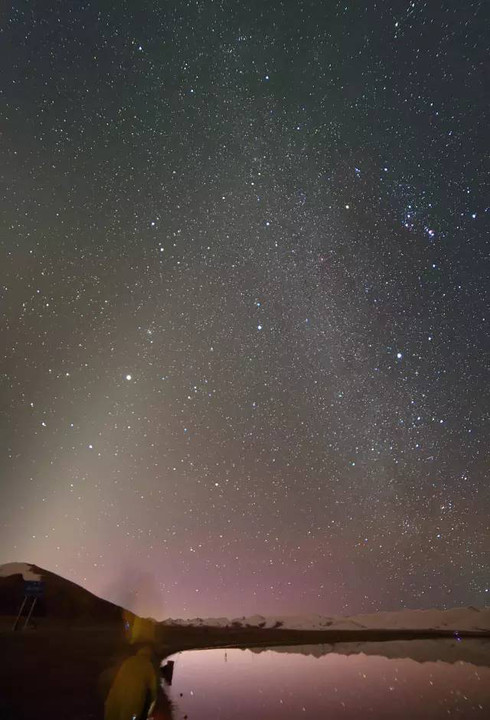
[287, 683]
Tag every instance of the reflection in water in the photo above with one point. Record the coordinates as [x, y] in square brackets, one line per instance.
[281, 685]
[475, 651]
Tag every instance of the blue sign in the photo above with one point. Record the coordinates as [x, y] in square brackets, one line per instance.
[33, 588]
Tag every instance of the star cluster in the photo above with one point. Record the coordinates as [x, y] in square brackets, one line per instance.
[243, 303]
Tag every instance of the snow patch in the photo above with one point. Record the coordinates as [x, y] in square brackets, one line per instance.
[19, 569]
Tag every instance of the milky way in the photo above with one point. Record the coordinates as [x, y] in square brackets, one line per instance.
[243, 363]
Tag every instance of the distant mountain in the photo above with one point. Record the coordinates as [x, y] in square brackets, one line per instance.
[464, 618]
[65, 601]
[62, 600]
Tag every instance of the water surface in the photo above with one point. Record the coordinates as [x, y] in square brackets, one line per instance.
[287, 683]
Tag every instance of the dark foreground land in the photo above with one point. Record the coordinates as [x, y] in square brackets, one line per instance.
[62, 672]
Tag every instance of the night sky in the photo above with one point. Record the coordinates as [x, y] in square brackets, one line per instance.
[243, 360]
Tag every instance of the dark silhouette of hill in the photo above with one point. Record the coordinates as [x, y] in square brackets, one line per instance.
[63, 601]
[64, 663]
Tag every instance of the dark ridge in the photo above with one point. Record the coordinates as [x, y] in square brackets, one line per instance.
[63, 600]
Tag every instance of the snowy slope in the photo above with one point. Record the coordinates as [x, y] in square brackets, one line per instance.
[466, 618]
[469, 618]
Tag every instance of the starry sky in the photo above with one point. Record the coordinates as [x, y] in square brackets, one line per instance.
[243, 302]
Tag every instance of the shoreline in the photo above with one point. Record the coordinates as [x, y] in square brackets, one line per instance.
[62, 669]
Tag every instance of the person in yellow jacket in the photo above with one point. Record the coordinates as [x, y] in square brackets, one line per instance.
[135, 688]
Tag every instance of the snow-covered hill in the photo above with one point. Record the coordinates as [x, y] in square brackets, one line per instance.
[465, 618]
